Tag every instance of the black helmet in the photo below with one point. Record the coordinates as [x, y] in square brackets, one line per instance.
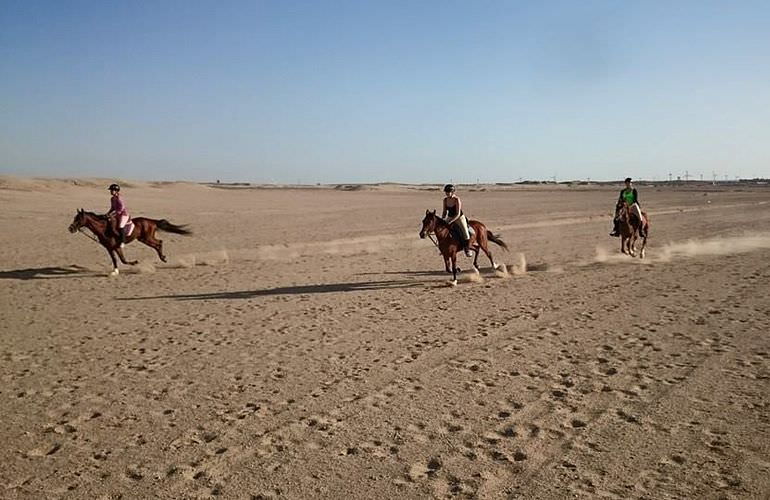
[114, 187]
[628, 179]
[449, 188]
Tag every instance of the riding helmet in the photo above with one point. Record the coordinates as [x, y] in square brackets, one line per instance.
[449, 188]
[113, 187]
[628, 179]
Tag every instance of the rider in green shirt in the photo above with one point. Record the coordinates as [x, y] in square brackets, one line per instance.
[630, 196]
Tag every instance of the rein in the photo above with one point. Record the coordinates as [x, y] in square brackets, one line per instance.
[80, 230]
[433, 239]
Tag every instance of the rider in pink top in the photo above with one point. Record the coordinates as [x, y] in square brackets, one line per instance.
[118, 209]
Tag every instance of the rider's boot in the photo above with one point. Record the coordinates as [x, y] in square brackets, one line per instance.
[121, 237]
[614, 228]
[467, 248]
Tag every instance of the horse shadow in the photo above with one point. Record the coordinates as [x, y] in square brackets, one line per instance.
[360, 286]
[406, 273]
[47, 273]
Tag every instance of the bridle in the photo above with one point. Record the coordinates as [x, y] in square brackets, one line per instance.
[431, 235]
[90, 236]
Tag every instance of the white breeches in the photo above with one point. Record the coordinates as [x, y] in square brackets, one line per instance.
[462, 223]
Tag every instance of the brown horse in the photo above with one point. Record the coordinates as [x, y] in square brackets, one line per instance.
[630, 228]
[106, 233]
[449, 244]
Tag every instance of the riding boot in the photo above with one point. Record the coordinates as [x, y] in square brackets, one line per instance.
[614, 228]
[121, 237]
[467, 248]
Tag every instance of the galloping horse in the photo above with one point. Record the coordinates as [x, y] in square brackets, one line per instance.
[630, 229]
[105, 232]
[449, 244]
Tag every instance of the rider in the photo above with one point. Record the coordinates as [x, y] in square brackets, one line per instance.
[118, 209]
[630, 196]
[453, 214]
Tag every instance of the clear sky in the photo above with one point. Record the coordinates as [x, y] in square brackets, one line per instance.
[387, 90]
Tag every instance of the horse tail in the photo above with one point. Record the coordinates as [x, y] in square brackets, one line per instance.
[496, 239]
[165, 225]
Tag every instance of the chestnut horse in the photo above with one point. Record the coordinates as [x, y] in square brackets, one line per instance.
[630, 228]
[449, 244]
[106, 233]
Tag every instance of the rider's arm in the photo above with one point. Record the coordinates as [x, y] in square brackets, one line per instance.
[443, 212]
[636, 197]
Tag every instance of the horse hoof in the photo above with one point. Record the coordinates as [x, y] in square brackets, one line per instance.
[114, 272]
[452, 282]
[134, 262]
[163, 259]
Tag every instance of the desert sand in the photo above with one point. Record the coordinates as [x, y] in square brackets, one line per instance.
[303, 343]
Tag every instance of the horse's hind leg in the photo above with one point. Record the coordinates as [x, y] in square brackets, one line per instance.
[476, 260]
[489, 256]
[156, 245]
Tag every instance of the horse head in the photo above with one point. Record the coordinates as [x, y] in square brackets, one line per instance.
[623, 211]
[78, 222]
[428, 223]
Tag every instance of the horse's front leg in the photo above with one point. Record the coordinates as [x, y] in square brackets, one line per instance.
[476, 259]
[454, 269]
[622, 244]
[123, 258]
[447, 264]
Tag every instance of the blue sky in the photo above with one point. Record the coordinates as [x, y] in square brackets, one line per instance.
[401, 91]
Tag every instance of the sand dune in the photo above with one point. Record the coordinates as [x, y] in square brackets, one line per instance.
[305, 344]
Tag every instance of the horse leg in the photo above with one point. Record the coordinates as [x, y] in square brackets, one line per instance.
[454, 269]
[123, 258]
[447, 263]
[476, 259]
[622, 244]
[114, 263]
[489, 256]
[156, 245]
[644, 245]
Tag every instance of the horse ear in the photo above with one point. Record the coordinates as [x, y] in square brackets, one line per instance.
[434, 212]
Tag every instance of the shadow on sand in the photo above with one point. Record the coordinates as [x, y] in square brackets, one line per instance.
[406, 273]
[47, 273]
[362, 286]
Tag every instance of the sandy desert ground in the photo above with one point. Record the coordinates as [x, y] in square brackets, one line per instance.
[303, 343]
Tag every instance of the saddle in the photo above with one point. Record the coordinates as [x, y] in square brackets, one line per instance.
[129, 228]
[456, 232]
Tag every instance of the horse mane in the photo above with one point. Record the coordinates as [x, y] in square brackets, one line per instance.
[95, 215]
[440, 221]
